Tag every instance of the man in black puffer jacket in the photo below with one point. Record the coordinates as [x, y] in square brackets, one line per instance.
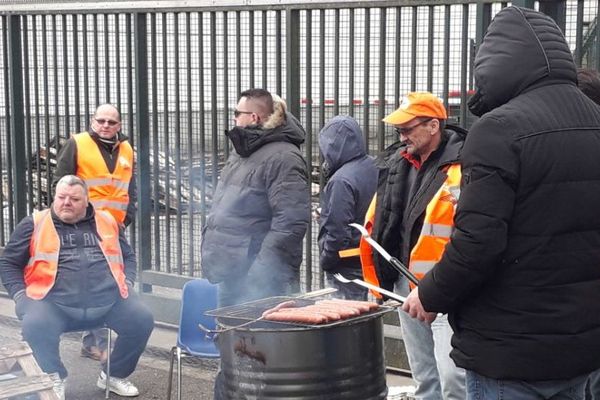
[520, 277]
[252, 241]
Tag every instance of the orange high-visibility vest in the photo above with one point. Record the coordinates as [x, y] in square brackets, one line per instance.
[366, 251]
[438, 225]
[107, 191]
[44, 249]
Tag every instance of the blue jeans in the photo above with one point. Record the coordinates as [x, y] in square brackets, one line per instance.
[44, 322]
[482, 388]
[428, 349]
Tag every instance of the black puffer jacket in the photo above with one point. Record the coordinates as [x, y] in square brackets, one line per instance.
[521, 275]
[261, 207]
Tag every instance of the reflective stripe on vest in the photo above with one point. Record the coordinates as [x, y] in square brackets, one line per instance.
[106, 191]
[366, 251]
[349, 252]
[44, 250]
[437, 225]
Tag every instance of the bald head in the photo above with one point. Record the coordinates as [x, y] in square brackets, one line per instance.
[106, 121]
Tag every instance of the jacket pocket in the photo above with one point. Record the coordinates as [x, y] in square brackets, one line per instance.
[223, 255]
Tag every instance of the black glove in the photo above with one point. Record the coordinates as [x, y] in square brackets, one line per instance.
[22, 303]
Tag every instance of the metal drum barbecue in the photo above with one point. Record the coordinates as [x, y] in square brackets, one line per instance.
[278, 360]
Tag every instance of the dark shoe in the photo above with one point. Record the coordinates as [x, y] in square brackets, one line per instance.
[94, 353]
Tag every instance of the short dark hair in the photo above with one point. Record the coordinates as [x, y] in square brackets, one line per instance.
[588, 81]
[262, 97]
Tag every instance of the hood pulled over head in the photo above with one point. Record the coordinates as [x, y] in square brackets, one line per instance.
[340, 141]
[522, 48]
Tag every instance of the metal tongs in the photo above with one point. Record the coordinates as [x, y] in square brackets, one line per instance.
[388, 257]
[367, 285]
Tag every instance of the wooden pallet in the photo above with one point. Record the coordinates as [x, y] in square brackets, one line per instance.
[32, 379]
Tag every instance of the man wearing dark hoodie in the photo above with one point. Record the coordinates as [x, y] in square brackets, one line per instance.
[352, 181]
[104, 159]
[252, 240]
[520, 277]
[70, 268]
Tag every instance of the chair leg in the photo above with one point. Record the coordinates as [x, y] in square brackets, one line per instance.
[179, 374]
[170, 385]
[108, 351]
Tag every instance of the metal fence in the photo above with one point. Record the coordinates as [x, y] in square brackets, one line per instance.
[175, 74]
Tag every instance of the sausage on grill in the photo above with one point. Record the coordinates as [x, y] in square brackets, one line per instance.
[296, 315]
[285, 304]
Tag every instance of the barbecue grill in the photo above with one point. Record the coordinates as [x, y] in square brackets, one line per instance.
[339, 360]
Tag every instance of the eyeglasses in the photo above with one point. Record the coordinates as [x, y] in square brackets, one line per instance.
[237, 113]
[406, 131]
[103, 121]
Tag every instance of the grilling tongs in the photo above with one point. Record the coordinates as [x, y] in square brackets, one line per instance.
[388, 257]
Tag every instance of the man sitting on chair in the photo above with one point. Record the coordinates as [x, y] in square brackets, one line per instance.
[70, 268]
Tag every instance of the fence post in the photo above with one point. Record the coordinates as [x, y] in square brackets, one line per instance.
[292, 45]
[557, 10]
[143, 145]
[17, 118]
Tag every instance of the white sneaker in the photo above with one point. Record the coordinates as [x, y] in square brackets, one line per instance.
[59, 388]
[120, 386]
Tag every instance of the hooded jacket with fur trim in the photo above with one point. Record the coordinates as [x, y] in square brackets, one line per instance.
[261, 206]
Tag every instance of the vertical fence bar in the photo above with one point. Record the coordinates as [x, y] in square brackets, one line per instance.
[36, 94]
[397, 94]
[225, 83]
[27, 105]
[430, 33]
[579, 33]
[366, 76]
[45, 77]
[278, 46]
[7, 123]
[309, 146]
[213, 100]
[446, 69]
[202, 120]
[166, 142]
[382, 79]
[178, 204]
[238, 52]
[17, 117]
[65, 62]
[86, 79]
[56, 99]
[265, 83]
[351, 64]
[107, 58]
[413, 50]
[95, 63]
[336, 64]
[190, 143]
[117, 58]
[321, 76]
[292, 52]
[251, 49]
[143, 142]
[464, 57]
[76, 72]
[155, 144]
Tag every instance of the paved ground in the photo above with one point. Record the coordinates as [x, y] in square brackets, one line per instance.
[151, 376]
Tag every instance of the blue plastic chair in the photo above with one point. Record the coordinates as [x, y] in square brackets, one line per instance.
[199, 296]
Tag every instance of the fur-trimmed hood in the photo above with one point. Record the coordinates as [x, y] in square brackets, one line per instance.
[280, 127]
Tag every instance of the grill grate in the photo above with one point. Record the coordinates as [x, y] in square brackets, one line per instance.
[252, 311]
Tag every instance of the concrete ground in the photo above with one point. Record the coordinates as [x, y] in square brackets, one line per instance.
[151, 375]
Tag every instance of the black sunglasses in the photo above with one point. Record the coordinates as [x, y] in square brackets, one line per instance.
[406, 131]
[110, 122]
[237, 113]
